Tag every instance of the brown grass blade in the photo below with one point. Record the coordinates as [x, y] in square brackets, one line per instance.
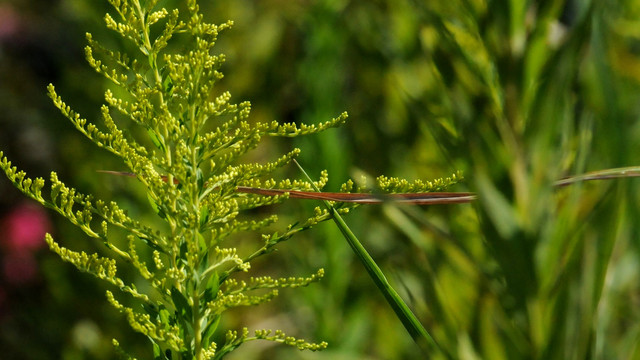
[431, 198]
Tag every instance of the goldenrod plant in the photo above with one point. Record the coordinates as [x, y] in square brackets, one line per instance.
[191, 166]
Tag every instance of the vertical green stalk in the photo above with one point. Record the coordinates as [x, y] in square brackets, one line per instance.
[197, 319]
[419, 334]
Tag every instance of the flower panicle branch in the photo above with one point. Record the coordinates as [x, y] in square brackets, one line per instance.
[196, 137]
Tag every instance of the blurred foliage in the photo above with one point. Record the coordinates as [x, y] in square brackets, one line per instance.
[514, 93]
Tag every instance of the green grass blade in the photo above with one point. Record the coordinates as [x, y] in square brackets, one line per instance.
[616, 173]
[403, 312]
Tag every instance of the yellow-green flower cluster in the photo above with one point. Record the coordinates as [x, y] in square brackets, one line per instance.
[190, 166]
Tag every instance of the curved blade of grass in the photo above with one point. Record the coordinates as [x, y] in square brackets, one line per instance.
[623, 172]
[403, 312]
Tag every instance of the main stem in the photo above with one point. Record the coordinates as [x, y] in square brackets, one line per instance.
[197, 319]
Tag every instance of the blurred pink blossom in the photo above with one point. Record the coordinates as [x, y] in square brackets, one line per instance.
[9, 22]
[23, 229]
[22, 233]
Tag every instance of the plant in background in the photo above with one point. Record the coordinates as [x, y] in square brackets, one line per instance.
[190, 166]
[523, 93]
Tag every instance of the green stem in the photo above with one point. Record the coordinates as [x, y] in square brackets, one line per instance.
[403, 312]
[198, 355]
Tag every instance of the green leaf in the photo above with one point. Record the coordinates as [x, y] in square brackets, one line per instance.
[213, 284]
[210, 330]
[200, 178]
[155, 139]
[167, 83]
[157, 351]
[165, 316]
[202, 243]
[204, 263]
[181, 304]
[151, 310]
[152, 245]
[155, 207]
[204, 216]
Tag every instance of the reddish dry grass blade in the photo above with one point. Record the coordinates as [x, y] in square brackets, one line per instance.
[432, 198]
[362, 198]
[120, 173]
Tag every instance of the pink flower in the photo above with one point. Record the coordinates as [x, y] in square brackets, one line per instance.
[24, 228]
[21, 235]
[9, 22]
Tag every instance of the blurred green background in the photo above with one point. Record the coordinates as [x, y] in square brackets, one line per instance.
[516, 94]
